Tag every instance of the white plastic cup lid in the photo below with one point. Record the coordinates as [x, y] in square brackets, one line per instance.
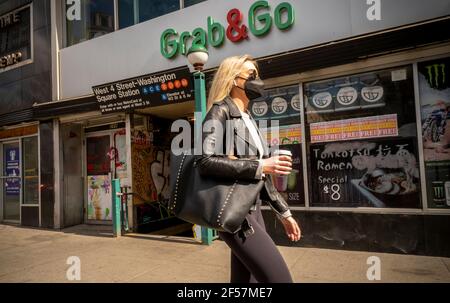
[282, 152]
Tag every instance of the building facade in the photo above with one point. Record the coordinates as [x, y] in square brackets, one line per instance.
[360, 91]
[26, 145]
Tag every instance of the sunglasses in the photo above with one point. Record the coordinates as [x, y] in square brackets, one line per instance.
[252, 76]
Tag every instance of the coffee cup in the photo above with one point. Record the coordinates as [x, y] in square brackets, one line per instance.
[282, 152]
[281, 183]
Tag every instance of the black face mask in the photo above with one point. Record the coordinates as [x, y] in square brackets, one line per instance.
[254, 88]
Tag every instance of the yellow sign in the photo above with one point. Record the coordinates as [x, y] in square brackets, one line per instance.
[290, 134]
[354, 129]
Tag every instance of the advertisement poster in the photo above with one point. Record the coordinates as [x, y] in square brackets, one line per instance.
[120, 157]
[99, 198]
[291, 186]
[354, 129]
[278, 103]
[287, 134]
[382, 173]
[345, 94]
[12, 168]
[434, 88]
[146, 91]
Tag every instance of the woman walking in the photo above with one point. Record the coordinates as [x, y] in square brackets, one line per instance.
[254, 255]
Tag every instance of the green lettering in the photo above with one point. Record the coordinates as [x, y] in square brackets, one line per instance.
[284, 7]
[169, 47]
[199, 35]
[213, 29]
[430, 75]
[436, 71]
[264, 19]
[182, 43]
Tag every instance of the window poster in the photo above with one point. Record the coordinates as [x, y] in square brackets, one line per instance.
[361, 134]
[291, 186]
[346, 94]
[434, 94]
[374, 173]
[353, 129]
[281, 103]
[12, 167]
[99, 198]
[120, 154]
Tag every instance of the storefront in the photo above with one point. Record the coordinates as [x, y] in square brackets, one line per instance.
[363, 108]
[26, 145]
[19, 148]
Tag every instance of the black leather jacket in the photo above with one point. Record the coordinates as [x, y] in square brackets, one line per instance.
[247, 165]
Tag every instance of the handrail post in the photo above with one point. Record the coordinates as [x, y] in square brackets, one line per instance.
[116, 207]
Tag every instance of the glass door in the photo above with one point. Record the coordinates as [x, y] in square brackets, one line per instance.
[30, 171]
[98, 173]
[11, 181]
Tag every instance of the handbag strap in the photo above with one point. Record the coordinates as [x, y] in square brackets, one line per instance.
[227, 199]
[177, 182]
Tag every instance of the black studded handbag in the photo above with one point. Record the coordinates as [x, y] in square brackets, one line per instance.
[213, 202]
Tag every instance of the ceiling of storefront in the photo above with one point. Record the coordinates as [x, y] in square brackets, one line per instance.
[171, 111]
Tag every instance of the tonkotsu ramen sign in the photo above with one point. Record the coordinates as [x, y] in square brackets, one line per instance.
[151, 90]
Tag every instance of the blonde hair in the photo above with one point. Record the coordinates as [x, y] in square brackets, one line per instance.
[224, 78]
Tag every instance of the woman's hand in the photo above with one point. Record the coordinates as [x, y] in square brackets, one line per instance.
[280, 165]
[292, 229]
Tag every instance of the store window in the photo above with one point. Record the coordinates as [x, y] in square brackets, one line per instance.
[19, 172]
[88, 19]
[30, 171]
[281, 106]
[362, 140]
[97, 155]
[15, 36]
[434, 94]
[192, 2]
[135, 11]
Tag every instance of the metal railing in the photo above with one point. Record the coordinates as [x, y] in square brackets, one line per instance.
[120, 214]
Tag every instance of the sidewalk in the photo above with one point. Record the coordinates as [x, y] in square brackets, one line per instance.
[30, 255]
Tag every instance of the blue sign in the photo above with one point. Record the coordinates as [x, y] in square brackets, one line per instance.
[12, 167]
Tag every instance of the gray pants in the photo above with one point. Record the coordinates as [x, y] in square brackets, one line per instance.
[255, 258]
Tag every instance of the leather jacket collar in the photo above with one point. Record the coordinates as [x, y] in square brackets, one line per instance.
[242, 132]
[234, 110]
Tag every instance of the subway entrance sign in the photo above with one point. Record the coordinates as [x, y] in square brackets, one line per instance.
[173, 86]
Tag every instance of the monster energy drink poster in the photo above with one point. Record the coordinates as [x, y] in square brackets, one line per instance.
[434, 88]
